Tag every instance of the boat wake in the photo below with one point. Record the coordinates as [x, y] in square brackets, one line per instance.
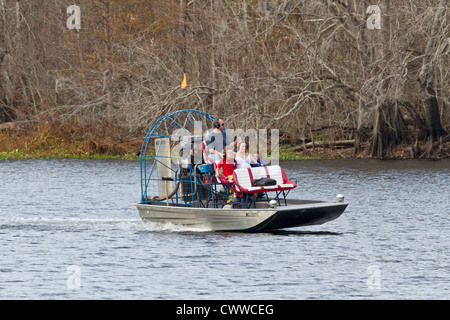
[83, 224]
[70, 224]
[168, 227]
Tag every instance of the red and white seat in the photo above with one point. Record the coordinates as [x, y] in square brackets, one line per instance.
[244, 177]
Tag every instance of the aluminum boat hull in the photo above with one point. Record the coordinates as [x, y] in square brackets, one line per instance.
[296, 213]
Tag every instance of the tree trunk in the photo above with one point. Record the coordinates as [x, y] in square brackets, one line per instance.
[434, 128]
[389, 130]
[381, 136]
[7, 79]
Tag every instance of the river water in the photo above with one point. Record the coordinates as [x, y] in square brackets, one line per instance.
[69, 230]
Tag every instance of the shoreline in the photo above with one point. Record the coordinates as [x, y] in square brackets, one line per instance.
[318, 154]
[20, 155]
[48, 143]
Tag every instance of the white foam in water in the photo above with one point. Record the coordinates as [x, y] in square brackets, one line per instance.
[94, 224]
[170, 227]
[70, 223]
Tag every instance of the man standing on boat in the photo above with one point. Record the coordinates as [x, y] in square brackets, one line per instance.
[218, 139]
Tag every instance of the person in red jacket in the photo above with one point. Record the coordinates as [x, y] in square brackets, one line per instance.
[226, 166]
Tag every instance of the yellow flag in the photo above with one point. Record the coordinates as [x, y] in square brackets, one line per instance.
[184, 83]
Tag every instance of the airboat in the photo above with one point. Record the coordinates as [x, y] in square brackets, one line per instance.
[179, 185]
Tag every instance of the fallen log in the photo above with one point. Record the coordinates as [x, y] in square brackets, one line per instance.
[10, 126]
[324, 144]
[14, 125]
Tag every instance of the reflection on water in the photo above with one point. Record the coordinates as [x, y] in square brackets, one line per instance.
[57, 216]
[289, 232]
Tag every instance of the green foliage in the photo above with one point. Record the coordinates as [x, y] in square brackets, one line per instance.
[39, 154]
[287, 154]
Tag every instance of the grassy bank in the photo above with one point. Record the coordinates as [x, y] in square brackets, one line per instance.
[20, 155]
[48, 142]
[66, 152]
[55, 143]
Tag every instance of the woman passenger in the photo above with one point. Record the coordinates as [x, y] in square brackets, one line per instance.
[243, 159]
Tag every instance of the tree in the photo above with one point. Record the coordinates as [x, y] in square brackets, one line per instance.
[435, 47]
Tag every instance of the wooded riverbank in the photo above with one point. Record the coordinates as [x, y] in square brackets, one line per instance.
[335, 77]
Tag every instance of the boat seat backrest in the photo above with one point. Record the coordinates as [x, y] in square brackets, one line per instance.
[277, 173]
[242, 177]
